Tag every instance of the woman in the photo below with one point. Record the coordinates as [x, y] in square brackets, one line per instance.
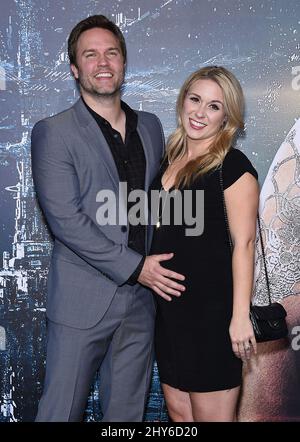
[203, 334]
[276, 369]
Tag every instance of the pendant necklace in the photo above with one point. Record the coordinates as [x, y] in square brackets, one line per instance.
[159, 216]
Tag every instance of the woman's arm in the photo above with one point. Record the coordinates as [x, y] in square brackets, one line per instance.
[242, 205]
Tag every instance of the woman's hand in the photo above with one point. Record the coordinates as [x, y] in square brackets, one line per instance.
[242, 337]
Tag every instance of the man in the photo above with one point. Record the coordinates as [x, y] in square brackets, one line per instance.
[99, 311]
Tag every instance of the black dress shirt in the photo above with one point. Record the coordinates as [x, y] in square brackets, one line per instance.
[130, 161]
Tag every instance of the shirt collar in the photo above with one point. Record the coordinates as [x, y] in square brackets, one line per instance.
[131, 116]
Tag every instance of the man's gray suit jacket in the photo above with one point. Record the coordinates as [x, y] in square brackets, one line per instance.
[71, 163]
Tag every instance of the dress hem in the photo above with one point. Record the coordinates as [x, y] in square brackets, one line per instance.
[201, 390]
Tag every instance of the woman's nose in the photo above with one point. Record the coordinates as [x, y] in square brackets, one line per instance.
[200, 111]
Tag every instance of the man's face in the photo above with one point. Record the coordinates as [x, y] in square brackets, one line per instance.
[100, 66]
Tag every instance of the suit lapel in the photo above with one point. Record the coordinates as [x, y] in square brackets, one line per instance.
[149, 155]
[147, 146]
[95, 138]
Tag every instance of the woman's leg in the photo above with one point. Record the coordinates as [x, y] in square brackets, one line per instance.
[215, 406]
[178, 404]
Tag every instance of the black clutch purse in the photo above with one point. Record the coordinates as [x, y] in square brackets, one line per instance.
[268, 321]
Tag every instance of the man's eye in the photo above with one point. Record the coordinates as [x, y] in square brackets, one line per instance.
[90, 55]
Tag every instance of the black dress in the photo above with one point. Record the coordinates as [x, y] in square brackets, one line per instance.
[193, 347]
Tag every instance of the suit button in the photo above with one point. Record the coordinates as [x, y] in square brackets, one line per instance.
[124, 229]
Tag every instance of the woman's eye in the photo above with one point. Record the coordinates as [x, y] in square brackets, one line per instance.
[214, 107]
[194, 99]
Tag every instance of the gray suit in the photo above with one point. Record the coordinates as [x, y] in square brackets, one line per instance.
[94, 317]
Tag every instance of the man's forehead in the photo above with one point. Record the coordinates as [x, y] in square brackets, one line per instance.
[98, 36]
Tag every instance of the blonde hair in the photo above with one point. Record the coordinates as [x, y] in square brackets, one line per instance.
[234, 109]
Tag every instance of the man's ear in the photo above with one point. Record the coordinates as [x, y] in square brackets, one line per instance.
[74, 71]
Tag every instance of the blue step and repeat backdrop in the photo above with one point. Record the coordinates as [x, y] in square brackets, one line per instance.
[167, 40]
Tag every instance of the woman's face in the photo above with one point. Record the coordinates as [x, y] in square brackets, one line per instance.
[203, 112]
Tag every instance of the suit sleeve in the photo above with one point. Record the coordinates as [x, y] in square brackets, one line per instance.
[57, 188]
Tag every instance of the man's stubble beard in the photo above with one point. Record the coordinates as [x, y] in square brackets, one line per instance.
[95, 93]
[98, 94]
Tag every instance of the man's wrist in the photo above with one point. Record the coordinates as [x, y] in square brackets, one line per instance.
[135, 275]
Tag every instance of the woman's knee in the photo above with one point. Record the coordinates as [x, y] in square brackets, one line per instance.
[178, 404]
[179, 412]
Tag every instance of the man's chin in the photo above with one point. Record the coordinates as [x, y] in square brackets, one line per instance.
[102, 93]
[107, 94]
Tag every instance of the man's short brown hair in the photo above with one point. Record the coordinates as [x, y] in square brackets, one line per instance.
[95, 21]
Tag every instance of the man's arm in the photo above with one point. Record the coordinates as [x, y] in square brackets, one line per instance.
[57, 188]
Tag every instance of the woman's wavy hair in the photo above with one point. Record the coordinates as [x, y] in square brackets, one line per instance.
[234, 110]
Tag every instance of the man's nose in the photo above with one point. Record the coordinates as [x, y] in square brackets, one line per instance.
[102, 60]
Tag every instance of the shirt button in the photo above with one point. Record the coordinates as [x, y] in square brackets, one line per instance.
[116, 135]
[124, 229]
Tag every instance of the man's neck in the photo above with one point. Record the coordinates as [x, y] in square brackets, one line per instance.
[108, 108]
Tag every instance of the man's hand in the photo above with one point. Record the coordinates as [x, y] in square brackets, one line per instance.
[159, 279]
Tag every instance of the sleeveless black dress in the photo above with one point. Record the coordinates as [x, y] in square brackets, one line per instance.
[192, 343]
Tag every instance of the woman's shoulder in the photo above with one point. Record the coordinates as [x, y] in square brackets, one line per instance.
[235, 164]
[235, 158]
[235, 155]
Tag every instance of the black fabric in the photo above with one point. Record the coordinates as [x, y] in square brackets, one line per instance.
[134, 277]
[234, 166]
[193, 346]
[269, 322]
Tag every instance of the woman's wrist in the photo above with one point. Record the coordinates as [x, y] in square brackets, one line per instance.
[242, 312]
